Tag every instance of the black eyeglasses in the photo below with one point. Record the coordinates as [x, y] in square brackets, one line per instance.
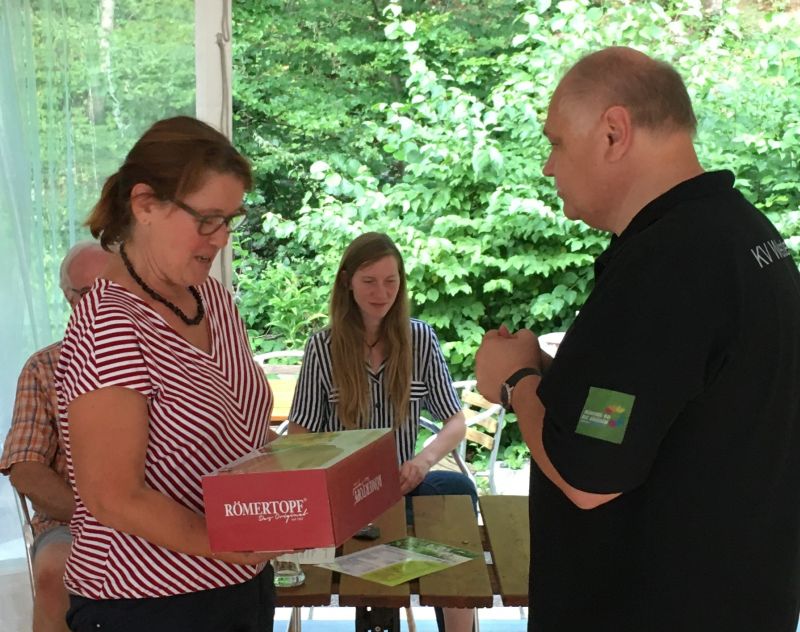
[80, 291]
[210, 224]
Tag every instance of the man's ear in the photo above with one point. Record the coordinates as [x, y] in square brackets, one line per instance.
[618, 131]
[143, 200]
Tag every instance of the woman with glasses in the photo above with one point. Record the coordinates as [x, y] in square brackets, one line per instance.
[156, 388]
[374, 367]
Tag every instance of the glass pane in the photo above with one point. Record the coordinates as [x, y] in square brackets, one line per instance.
[80, 80]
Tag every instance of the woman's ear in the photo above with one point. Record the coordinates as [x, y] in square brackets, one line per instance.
[143, 200]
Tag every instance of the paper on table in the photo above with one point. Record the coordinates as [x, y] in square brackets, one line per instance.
[400, 561]
[310, 556]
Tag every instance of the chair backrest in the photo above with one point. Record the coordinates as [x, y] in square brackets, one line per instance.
[279, 363]
[281, 369]
[24, 511]
[483, 418]
[484, 427]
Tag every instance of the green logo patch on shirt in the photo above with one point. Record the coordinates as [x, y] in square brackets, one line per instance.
[605, 414]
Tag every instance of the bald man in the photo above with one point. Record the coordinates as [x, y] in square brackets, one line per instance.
[665, 434]
[33, 457]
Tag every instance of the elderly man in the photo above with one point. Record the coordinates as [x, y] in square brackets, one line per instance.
[33, 458]
[665, 434]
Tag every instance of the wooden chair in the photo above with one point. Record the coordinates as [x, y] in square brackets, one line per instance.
[485, 423]
[24, 512]
[281, 369]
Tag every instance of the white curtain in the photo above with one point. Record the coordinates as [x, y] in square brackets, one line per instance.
[80, 80]
[26, 321]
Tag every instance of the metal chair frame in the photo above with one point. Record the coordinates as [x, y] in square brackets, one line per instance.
[27, 533]
[459, 453]
[280, 368]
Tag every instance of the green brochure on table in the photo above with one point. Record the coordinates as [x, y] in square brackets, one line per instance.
[400, 561]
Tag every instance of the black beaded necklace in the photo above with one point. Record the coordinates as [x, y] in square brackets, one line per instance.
[173, 308]
[372, 346]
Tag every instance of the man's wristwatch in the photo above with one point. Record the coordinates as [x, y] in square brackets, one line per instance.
[507, 387]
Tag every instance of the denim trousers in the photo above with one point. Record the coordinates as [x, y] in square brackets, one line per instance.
[442, 483]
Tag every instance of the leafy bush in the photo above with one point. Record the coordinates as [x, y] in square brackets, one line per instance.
[451, 167]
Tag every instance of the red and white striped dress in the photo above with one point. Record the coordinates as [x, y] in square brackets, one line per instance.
[206, 409]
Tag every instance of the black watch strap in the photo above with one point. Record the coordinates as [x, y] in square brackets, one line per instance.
[507, 387]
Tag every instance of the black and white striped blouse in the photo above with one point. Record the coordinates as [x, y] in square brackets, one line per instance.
[314, 404]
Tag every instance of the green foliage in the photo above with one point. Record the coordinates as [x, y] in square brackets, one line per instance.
[100, 72]
[308, 75]
[286, 320]
[449, 162]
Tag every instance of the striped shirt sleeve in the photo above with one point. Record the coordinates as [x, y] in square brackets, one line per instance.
[106, 353]
[310, 404]
[442, 401]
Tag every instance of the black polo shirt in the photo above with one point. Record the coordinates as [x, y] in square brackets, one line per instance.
[679, 386]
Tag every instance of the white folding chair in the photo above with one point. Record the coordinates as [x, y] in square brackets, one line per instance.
[283, 362]
[485, 422]
[24, 512]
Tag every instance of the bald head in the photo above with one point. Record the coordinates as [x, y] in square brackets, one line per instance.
[651, 91]
[84, 262]
[620, 126]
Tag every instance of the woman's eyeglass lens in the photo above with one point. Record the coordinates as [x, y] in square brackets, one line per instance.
[210, 224]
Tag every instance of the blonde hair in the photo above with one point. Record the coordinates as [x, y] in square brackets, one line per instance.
[347, 336]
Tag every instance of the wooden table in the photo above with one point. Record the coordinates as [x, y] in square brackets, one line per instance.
[447, 519]
[282, 394]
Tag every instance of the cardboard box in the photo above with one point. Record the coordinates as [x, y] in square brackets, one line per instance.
[302, 491]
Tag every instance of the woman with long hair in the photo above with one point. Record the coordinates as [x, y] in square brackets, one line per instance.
[375, 367]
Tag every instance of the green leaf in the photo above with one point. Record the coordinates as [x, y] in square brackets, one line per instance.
[409, 27]
[318, 169]
[498, 284]
[519, 39]
[411, 47]
[391, 31]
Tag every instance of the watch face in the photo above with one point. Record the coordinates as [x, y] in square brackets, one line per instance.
[505, 395]
[508, 386]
